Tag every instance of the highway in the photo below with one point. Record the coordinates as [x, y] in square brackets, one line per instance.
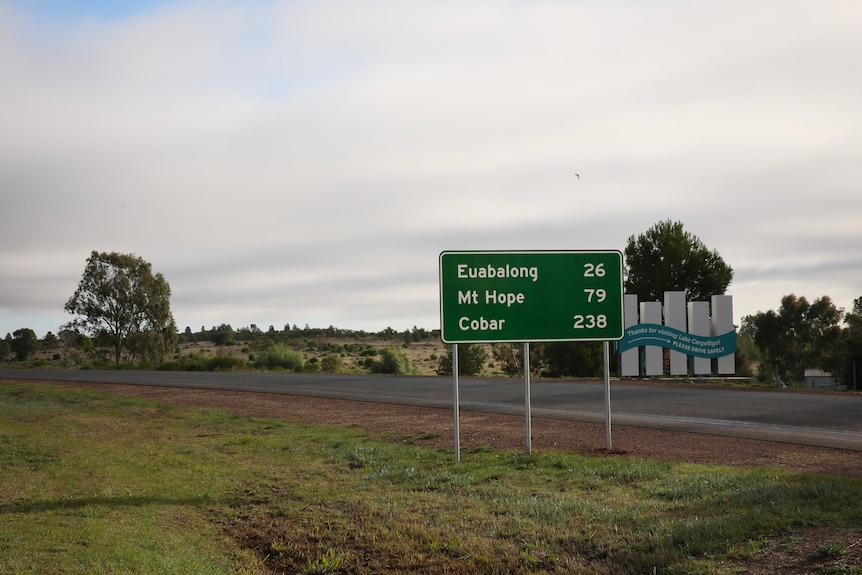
[821, 419]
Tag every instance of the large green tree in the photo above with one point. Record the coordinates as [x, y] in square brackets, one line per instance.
[119, 300]
[668, 258]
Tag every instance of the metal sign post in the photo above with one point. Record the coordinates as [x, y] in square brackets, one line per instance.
[530, 296]
[607, 357]
[456, 428]
[527, 422]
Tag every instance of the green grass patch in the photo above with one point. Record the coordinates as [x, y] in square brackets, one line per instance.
[91, 482]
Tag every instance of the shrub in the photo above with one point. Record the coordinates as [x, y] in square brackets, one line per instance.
[279, 356]
[222, 363]
[201, 362]
[311, 366]
[392, 360]
[471, 360]
[331, 363]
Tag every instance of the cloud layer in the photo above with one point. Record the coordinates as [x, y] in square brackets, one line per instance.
[306, 162]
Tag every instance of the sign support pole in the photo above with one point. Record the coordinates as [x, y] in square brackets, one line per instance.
[456, 431]
[607, 395]
[527, 422]
[530, 296]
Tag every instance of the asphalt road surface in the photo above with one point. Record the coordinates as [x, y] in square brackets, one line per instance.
[822, 419]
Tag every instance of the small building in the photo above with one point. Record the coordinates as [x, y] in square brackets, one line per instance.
[819, 379]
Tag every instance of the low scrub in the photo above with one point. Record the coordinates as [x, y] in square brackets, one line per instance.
[202, 362]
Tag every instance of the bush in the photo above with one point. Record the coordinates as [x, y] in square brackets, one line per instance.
[311, 366]
[200, 362]
[332, 363]
[394, 361]
[223, 363]
[279, 356]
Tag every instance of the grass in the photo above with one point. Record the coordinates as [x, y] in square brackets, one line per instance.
[96, 483]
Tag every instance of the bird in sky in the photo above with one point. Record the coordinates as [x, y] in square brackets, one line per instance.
[579, 176]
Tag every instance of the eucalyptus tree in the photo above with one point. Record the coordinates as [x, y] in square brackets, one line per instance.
[799, 335]
[120, 301]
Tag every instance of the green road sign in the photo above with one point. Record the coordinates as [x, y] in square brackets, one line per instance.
[493, 297]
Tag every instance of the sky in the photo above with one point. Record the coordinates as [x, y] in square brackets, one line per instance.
[305, 162]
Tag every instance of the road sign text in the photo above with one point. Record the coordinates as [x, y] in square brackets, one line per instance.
[530, 296]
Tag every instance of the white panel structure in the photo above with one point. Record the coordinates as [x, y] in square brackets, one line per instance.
[699, 324]
[630, 360]
[683, 320]
[674, 316]
[653, 355]
[722, 322]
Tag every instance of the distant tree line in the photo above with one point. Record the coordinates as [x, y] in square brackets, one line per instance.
[225, 334]
[122, 315]
[265, 350]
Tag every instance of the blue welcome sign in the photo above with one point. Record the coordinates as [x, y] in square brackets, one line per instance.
[670, 338]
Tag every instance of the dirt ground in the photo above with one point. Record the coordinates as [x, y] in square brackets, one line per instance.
[433, 427]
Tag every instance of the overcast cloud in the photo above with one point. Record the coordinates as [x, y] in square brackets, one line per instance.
[306, 162]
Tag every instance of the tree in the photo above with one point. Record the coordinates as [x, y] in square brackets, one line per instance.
[50, 341]
[853, 363]
[799, 335]
[553, 359]
[571, 359]
[471, 360]
[24, 343]
[667, 258]
[222, 335]
[510, 358]
[120, 300]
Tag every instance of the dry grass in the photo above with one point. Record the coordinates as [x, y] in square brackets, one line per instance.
[101, 483]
